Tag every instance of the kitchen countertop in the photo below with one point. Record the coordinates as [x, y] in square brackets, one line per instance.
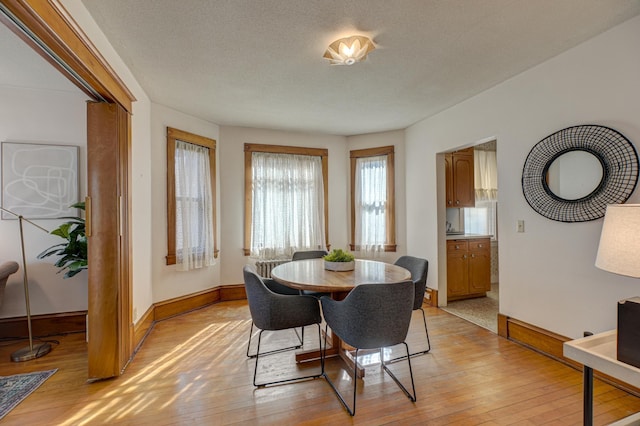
[466, 236]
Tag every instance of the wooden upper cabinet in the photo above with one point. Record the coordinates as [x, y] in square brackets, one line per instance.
[460, 190]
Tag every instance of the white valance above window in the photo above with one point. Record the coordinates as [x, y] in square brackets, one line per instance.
[486, 175]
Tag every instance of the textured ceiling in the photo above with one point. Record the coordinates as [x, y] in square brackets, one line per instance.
[258, 63]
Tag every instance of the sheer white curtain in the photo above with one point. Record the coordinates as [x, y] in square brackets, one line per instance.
[194, 207]
[370, 200]
[288, 205]
[483, 218]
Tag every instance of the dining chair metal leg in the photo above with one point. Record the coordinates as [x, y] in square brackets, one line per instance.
[426, 331]
[335, 389]
[258, 355]
[411, 396]
[354, 378]
[300, 338]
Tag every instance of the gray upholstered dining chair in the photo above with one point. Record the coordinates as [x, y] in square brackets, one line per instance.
[372, 316]
[277, 288]
[310, 254]
[419, 269]
[271, 311]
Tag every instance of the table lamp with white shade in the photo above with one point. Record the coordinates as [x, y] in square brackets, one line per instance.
[619, 252]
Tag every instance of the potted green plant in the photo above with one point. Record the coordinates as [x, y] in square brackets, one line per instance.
[339, 260]
[73, 252]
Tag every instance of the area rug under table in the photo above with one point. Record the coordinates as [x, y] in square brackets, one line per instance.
[13, 389]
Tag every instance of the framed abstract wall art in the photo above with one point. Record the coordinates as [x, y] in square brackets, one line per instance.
[39, 181]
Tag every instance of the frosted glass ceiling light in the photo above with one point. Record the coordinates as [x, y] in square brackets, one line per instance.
[349, 50]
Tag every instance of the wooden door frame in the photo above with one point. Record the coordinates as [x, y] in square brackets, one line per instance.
[49, 29]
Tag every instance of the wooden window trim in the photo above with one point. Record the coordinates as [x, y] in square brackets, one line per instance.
[389, 151]
[172, 136]
[250, 148]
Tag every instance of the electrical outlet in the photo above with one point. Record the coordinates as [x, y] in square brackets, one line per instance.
[520, 225]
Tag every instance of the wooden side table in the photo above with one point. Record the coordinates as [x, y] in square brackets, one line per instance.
[598, 352]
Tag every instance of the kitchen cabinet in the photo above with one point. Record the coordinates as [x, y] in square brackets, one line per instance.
[460, 188]
[468, 268]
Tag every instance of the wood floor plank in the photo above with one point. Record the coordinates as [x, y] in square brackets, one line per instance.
[192, 370]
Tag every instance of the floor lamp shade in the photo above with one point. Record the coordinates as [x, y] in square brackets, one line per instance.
[619, 248]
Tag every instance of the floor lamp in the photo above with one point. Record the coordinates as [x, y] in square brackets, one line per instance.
[40, 349]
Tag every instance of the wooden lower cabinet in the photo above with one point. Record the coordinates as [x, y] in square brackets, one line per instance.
[468, 268]
[457, 269]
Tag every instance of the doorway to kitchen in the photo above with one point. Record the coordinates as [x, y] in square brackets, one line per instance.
[472, 242]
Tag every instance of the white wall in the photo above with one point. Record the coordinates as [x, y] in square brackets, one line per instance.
[48, 117]
[373, 140]
[167, 281]
[231, 171]
[153, 280]
[547, 274]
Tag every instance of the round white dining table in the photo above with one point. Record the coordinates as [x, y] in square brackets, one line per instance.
[310, 274]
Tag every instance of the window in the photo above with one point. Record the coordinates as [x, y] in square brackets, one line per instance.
[481, 219]
[373, 200]
[191, 208]
[285, 200]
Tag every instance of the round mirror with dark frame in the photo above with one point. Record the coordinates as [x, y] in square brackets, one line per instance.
[571, 175]
[574, 175]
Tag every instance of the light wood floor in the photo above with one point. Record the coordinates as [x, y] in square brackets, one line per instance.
[192, 370]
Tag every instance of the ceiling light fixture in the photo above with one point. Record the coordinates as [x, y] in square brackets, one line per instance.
[349, 50]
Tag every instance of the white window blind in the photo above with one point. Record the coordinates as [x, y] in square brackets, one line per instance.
[288, 205]
[194, 207]
[481, 219]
